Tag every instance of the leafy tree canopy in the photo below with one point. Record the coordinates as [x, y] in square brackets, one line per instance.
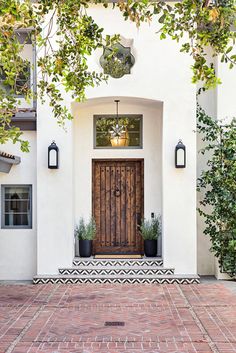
[198, 23]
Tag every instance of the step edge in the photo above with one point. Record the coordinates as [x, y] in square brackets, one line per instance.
[115, 277]
[117, 268]
[118, 259]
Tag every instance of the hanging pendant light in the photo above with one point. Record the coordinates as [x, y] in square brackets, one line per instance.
[119, 134]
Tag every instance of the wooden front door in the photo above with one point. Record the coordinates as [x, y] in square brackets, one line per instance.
[118, 206]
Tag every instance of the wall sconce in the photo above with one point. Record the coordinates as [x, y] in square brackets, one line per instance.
[53, 156]
[180, 155]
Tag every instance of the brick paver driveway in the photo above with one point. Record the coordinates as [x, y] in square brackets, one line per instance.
[157, 318]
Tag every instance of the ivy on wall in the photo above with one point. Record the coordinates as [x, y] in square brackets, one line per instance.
[218, 182]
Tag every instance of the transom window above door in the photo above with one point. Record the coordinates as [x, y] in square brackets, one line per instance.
[126, 131]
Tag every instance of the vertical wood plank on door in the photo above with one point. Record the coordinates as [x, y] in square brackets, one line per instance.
[108, 206]
[113, 204]
[123, 205]
[118, 206]
[96, 203]
[138, 202]
[128, 205]
[103, 204]
[133, 202]
[142, 198]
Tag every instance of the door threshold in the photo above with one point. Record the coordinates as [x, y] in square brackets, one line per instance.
[117, 256]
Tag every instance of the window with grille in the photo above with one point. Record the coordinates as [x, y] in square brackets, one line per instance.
[124, 132]
[16, 206]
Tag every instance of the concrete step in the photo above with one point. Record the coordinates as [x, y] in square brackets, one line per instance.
[125, 279]
[143, 262]
[116, 270]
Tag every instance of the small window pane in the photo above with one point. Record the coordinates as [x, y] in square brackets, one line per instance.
[134, 139]
[126, 132]
[14, 220]
[22, 83]
[16, 207]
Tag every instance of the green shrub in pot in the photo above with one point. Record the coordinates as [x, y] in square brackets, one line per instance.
[85, 232]
[150, 230]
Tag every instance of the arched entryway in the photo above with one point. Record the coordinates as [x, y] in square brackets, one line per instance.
[118, 186]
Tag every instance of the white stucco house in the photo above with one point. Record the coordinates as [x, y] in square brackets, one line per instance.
[119, 186]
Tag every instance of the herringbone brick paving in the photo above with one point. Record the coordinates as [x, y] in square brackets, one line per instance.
[158, 318]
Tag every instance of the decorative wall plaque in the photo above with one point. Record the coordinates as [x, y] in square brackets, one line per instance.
[117, 60]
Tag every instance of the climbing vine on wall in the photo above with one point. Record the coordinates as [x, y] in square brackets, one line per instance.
[197, 24]
[218, 182]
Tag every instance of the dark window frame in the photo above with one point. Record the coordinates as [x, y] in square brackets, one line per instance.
[3, 187]
[121, 116]
[27, 81]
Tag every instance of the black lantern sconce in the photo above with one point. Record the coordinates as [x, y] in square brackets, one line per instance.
[180, 155]
[53, 156]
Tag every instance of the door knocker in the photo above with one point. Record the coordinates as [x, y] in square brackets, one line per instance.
[117, 192]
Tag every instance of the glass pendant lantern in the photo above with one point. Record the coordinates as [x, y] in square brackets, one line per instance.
[119, 134]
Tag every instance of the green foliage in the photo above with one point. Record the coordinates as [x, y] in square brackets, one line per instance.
[64, 67]
[13, 15]
[150, 229]
[116, 68]
[197, 25]
[86, 231]
[219, 184]
[117, 60]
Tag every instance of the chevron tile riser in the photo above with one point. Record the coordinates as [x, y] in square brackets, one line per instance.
[93, 263]
[116, 281]
[110, 271]
[138, 272]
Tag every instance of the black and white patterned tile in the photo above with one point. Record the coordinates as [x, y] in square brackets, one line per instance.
[116, 271]
[97, 280]
[146, 262]
[123, 271]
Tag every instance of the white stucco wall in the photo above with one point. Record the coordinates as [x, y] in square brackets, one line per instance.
[55, 191]
[161, 74]
[18, 253]
[151, 151]
[226, 103]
